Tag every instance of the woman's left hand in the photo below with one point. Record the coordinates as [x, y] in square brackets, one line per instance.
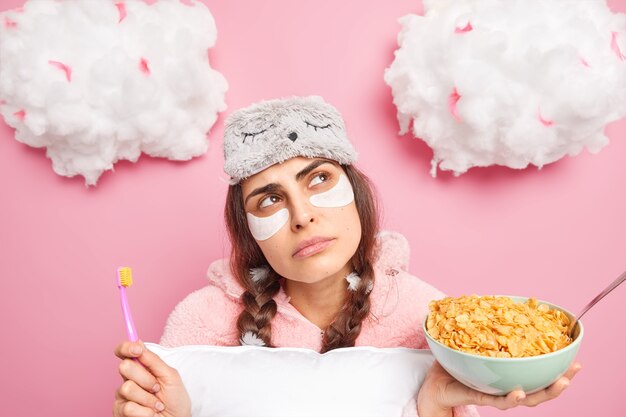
[440, 392]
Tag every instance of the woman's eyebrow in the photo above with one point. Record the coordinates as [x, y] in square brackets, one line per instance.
[310, 168]
[272, 187]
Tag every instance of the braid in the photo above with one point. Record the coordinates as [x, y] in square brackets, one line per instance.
[346, 327]
[257, 299]
[259, 307]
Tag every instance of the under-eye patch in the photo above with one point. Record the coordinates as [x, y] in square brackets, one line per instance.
[262, 228]
[314, 126]
[339, 196]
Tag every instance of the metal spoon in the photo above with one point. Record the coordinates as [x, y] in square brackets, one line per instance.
[593, 302]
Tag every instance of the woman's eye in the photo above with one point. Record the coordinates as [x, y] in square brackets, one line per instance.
[268, 201]
[319, 178]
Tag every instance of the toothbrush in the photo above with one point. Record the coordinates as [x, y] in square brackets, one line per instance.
[124, 280]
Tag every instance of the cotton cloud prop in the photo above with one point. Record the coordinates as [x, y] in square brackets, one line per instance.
[99, 81]
[509, 82]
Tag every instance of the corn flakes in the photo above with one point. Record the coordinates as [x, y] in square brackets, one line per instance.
[497, 326]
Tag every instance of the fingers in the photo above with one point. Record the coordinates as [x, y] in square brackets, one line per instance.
[555, 389]
[145, 376]
[573, 370]
[512, 399]
[518, 397]
[133, 393]
[158, 367]
[547, 394]
[123, 408]
[457, 394]
[551, 392]
[131, 370]
[152, 362]
[129, 349]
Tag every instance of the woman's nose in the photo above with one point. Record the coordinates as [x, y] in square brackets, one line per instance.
[302, 214]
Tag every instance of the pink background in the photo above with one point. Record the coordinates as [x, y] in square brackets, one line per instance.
[556, 234]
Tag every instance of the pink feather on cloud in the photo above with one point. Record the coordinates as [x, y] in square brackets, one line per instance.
[20, 114]
[544, 121]
[452, 101]
[121, 8]
[615, 46]
[8, 23]
[143, 66]
[65, 68]
[467, 28]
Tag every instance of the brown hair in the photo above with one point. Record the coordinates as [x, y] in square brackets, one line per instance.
[258, 297]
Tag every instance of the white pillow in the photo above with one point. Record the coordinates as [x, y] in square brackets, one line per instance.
[251, 381]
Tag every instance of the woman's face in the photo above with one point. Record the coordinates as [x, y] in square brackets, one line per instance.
[303, 217]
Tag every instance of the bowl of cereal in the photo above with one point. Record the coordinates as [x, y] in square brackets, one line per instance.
[496, 344]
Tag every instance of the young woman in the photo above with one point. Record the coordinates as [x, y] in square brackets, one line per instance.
[308, 268]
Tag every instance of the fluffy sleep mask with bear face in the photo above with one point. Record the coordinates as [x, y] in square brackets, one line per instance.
[273, 131]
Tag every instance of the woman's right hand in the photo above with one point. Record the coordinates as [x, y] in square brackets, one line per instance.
[154, 389]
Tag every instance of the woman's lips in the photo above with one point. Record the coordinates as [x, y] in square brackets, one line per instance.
[313, 248]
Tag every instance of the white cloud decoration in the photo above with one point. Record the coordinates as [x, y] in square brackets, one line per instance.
[509, 82]
[95, 82]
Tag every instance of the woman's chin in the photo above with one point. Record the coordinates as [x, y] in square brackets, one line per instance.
[318, 268]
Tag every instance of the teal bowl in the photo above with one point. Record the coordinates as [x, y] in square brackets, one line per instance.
[499, 376]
